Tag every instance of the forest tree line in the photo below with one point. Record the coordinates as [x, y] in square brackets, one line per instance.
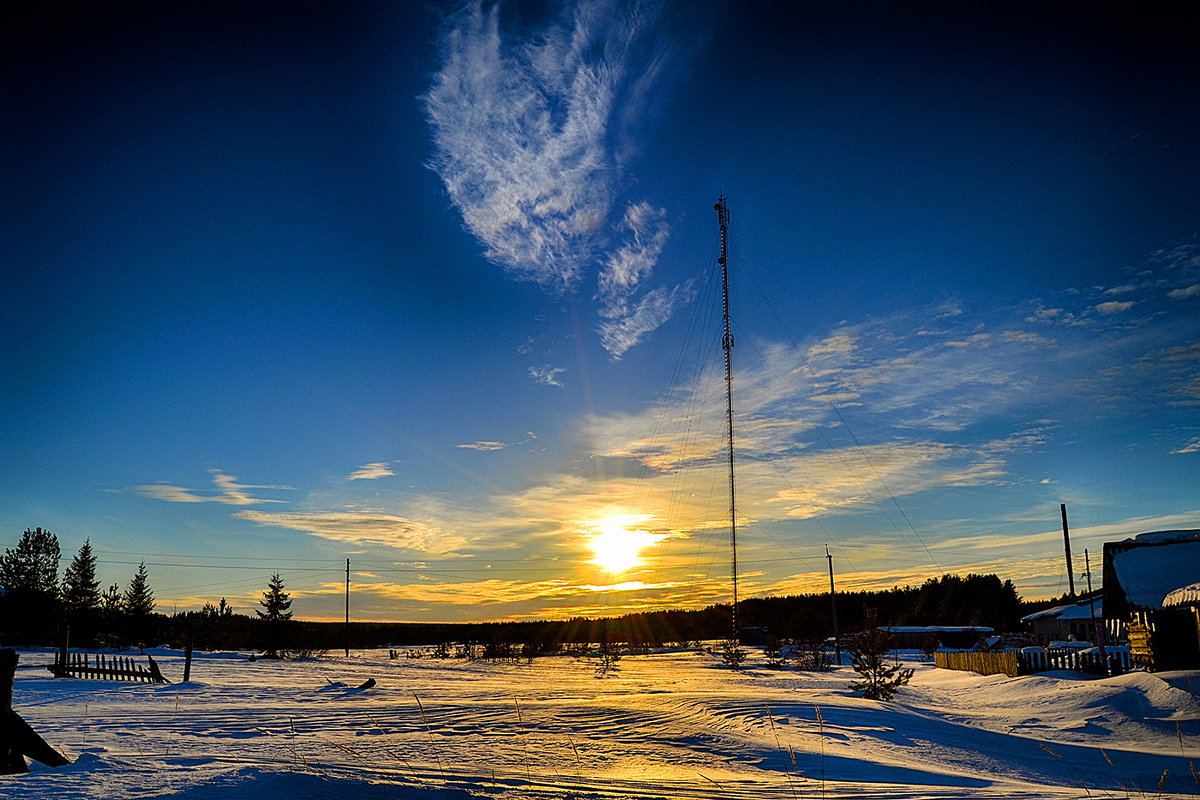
[37, 607]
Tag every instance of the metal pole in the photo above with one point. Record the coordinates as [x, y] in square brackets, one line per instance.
[727, 344]
[347, 608]
[1067, 540]
[837, 641]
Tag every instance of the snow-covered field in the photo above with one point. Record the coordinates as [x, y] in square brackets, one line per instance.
[673, 724]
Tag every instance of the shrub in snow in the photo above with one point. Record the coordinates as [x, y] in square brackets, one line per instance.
[773, 651]
[812, 656]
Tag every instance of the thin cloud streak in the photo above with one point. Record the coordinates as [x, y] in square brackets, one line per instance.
[373, 471]
[230, 492]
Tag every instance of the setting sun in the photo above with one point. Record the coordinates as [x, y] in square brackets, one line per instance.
[617, 545]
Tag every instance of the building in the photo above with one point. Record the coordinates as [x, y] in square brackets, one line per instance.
[1070, 622]
[1140, 574]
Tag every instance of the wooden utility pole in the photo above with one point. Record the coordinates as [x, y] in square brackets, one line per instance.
[837, 639]
[1067, 541]
[347, 608]
[1097, 629]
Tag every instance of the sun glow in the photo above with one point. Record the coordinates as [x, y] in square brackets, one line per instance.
[617, 544]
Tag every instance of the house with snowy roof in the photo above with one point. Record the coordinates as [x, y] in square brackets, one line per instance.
[1070, 622]
[1152, 586]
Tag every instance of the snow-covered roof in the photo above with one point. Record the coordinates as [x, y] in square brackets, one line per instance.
[1183, 596]
[1072, 611]
[936, 629]
[1152, 565]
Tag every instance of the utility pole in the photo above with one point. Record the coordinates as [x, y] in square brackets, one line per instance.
[347, 608]
[727, 344]
[1067, 540]
[1097, 629]
[837, 640]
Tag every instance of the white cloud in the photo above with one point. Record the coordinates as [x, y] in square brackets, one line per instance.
[485, 447]
[1187, 291]
[367, 472]
[230, 492]
[529, 139]
[361, 528]
[1191, 447]
[1114, 306]
[547, 375]
[626, 322]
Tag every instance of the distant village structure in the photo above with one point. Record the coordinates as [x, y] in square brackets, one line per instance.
[1076, 621]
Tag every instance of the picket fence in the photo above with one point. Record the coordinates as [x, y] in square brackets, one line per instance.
[110, 668]
[1027, 662]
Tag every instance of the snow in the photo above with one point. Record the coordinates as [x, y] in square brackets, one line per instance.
[1148, 574]
[1183, 596]
[668, 724]
[1072, 611]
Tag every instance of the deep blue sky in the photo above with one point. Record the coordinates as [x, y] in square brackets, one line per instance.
[431, 288]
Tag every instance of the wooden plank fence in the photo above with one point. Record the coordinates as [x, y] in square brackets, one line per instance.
[1004, 662]
[102, 668]
[1027, 662]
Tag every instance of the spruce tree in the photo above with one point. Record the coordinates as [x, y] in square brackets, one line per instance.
[139, 599]
[276, 612]
[80, 588]
[868, 652]
[81, 594]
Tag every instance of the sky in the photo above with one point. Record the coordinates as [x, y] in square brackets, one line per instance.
[434, 288]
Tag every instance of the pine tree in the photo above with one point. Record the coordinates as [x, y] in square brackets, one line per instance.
[139, 599]
[276, 604]
[29, 601]
[868, 652]
[81, 594]
[80, 588]
[33, 565]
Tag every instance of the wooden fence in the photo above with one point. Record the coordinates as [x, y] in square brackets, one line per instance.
[110, 668]
[1026, 662]
[1004, 662]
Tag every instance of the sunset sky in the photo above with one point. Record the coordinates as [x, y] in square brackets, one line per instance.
[434, 288]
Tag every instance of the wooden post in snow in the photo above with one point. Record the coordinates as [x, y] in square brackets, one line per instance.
[187, 658]
[17, 739]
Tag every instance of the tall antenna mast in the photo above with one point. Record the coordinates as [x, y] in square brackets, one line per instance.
[727, 344]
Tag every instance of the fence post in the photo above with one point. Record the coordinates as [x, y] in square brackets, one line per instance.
[187, 659]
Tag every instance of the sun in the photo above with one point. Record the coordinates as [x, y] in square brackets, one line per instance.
[617, 545]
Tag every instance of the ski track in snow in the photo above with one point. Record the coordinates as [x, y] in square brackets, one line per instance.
[671, 724]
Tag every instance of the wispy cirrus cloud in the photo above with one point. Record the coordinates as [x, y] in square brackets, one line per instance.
[372, 471]
[530, 138]
[547, 375]
[362, 528]
[490, 446]
[228, 492]
[626, 320]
